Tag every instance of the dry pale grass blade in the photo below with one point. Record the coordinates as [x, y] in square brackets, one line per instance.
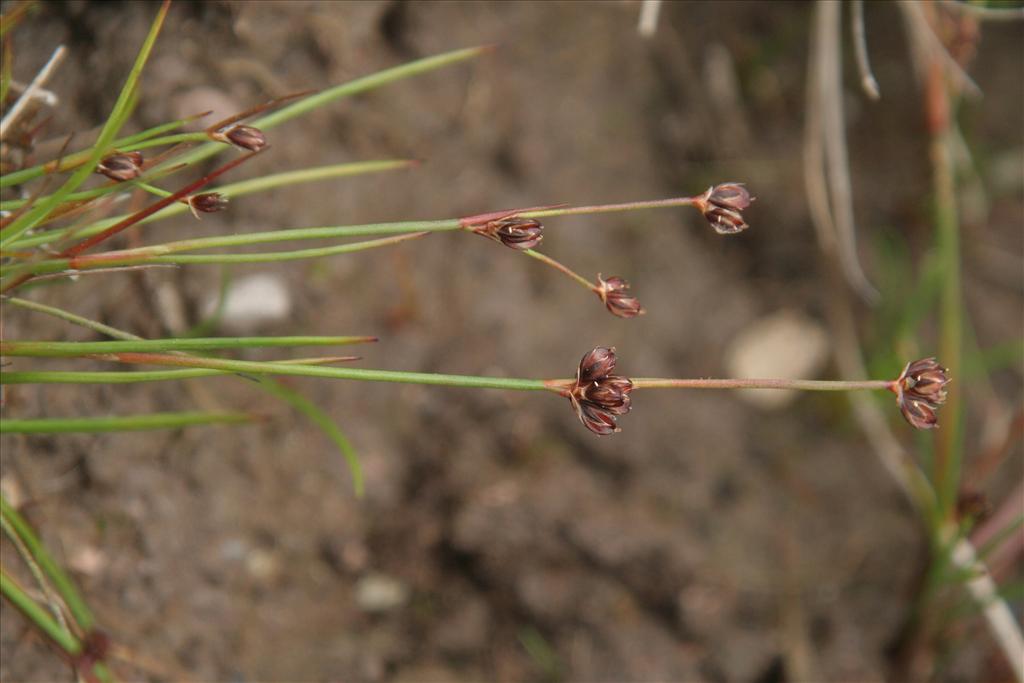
[926, 46]
[868, 83]
[827, 166]
[32, 90]
[649, 11]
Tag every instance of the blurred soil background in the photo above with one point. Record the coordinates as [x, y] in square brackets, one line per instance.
[711, 540]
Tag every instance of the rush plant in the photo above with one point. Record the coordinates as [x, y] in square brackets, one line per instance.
[55, 227]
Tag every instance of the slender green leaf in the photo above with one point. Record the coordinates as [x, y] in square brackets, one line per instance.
[324, 422]
[72, 349]
[79, 610]
[38, 615]
[360, 85]
[119, 423]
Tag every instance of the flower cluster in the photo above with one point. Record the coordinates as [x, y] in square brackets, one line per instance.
[597, 395]
[241, 136]
[722, 206]
[512, 231]
[122, 166]
[618, 302]
[206, 202]
[920, 390]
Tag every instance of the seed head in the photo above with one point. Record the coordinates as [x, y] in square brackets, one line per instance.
[920, 390]
[597, 396]
[722, 206]
[613, 293]
[596, 364]
[121, 166]
[596, 419]
[243, 136]
[517, 233]
[207, 202]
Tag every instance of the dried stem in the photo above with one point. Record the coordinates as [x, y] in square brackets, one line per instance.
[30, 91]
[860, 49]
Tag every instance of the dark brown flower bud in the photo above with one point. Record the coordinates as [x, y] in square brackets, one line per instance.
[613, 293]
[722, 206]
[121, 166]
[245, 137]
[595, 365]
[207, 202]
[920, 390]
[516, 233]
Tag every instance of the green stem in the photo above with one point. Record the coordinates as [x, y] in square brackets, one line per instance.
[153, 254]
[159, 254]
[52, 601]
[152, 189]
[78, 158]
[949, 446]
[349, 89]
[796, 384]
[118, 116]
[326, 425]
[69, 317]
[290, 396]
[37, 615]
[79, 610]
[587, 284]
[267, 122]
[108, 259]
[105, 377]
[73, 349]
[230, 191]
[120, 423]
[359, 374]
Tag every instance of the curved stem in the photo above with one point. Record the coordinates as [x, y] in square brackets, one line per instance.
[560, 268]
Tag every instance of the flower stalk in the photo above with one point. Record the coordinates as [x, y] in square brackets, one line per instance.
[794, 384]
[597, 396]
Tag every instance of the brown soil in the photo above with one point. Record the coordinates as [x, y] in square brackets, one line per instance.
[707, 541]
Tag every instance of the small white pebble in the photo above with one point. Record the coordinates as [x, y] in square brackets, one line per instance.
[783, 345]
[252, 303]
[380, 593]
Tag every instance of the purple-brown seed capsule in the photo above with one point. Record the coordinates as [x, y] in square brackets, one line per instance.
[245, 137]
[609, 394]
[516, 233]
[920, 390]
[121, 166]
[207, 202]
[596, 364]
[596, 419]
[597, 396]
[616, 299]
[722, 206]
